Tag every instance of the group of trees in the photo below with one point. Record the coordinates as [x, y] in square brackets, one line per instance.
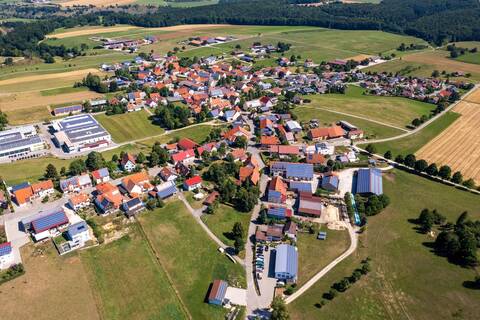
[459, 51]
[458, 242]
[94, 83]
[412, 46]
[237, 234]
[173, 116]
[3, 120]
[244, 197]
[444, 172]
[344, 284]
[370, 205]
[427, 219]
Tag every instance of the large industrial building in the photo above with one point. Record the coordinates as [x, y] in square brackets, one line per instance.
[286, 263]
[369, 181]
[80, 133]
[20, 143]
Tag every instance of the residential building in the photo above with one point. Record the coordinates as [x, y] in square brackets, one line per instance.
[290, 229]
[78, 234]
[79, 201]
[193, 183]
[292, 170]
[6, 255]
[43, 189]
[101, 175]
[326, 133]
[286, 263]
[137, 183]
[75, 184]
[128, 162]
[167, 174]
[277, 190]
[22, 193]
[108, 198]
[279, 213]
[186, 144]
[133, 206]
[186, 157]
[165, 190]
[46, 224]
[330, 182]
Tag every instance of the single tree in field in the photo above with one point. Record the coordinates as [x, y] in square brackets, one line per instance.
[432, 169]
[445, 172]
[457, 177]
[399, 159]
[410, 160]
[51, 172]
[421, 165]
[371, 149]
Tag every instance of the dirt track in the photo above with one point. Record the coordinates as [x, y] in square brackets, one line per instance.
[459, 145]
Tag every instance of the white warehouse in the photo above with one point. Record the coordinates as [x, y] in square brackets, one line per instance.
[20, 143]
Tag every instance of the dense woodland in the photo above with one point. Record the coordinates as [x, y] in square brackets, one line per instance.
[437, 21]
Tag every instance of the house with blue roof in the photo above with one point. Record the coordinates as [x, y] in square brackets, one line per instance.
[330, 183]
[6, 255]
[292, 170]
[286, 263]
[301, 186]
[48, 225]
[279, 213]
[369, 182]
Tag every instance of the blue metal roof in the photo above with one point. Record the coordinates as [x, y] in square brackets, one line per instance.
[299, 170]
[274, 195]
[330, 182]
[277, 212]
[301, 186]
[167, 192]
[369, 181]
[286, 260]
[77, 228]
[5, 248]
[50, 221]
[219, 289]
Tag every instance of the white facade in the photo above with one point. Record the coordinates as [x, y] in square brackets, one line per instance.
[7, 259]
[20, 142]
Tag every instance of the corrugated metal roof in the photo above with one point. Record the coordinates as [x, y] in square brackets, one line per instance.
[219, 288]
[286, 260]
[369, 181]
[301, 186]
[50, 221]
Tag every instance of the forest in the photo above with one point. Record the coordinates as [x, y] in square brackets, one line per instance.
[436, 21]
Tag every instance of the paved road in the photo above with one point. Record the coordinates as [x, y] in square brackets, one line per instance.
[423, 125]
[353, 246]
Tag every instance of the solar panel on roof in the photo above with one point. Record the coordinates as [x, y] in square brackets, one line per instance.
[50, 221]
[5, 248]
[167, 192]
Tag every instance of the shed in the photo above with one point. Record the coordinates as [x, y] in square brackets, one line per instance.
[369, 181]
[217, 292]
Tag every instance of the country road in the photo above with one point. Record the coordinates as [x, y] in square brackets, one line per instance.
[353, 246]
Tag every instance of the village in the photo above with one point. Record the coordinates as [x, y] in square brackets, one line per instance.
[305, 174]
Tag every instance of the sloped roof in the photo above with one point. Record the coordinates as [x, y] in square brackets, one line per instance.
[52, 220]
[286, 259]
[369, 181]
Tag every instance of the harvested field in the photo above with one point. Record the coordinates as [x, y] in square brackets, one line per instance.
[459, 145]
[97, 3]
[441, 62]
[359, 57]
[34, 78]
[87, 31]
[50, 280]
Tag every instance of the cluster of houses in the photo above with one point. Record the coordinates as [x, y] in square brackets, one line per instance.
[126, 44]
[201, 41]
[430, 90]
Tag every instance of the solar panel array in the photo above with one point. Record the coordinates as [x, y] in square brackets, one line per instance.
[5, 248]
[50, 221]
[167, 192]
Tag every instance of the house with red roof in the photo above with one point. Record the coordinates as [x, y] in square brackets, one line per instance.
[186, 144]
[128, 162]
[192, 183]
[277, 190]
[186, 157]
[267, 141]
[326, 133]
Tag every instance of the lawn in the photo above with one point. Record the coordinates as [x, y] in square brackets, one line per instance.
[394, 111]
[372, 130]
[49, 280]
[417, 140]
[54, 92]
[314, 254]
[34, 169]
[405, 275]
[197, 133]
[222, 221]
[129, 126]
[190, 258]
[129, 282]
[195, 204]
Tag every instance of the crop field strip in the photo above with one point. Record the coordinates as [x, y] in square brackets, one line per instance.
[459, 145]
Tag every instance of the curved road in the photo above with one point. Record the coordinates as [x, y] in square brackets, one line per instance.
[353, 246]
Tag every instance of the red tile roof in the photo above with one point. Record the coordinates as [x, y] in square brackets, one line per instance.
[193, 181]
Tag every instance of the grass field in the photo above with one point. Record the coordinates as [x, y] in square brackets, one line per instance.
[458, 145]
[405, 275]
[222, 221]
[198, 133]
[62, 90]
[326, 118]
[414, 142]
[314, 254]
[129, 281]
[394, 111]
[48, 280]
[129, 126]
[189, 257]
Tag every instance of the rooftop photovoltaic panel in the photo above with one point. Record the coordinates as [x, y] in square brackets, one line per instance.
[50, 221]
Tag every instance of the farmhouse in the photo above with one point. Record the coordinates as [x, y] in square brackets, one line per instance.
[332, 132]
[309, 205]
[286, 263]
[277, 190]
[20, 143]
[80, 133]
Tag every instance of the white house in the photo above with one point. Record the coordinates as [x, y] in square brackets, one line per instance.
[6, 255]
[128, 162]
[78, 234]
[79, 201]
[193, 183]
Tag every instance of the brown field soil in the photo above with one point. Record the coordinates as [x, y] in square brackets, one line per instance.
[474, 97]
[87, 31]
[459, 145]
[441, 62]
[40, 77]
[98, 3]
[359, 57]
[28, 100]
[52, 287]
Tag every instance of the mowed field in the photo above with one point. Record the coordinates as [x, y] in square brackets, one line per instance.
[129, 281]
[190, 257]
[52, 288]
[129, 126]
[406, 276]
[393, 111]
[459, 145]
